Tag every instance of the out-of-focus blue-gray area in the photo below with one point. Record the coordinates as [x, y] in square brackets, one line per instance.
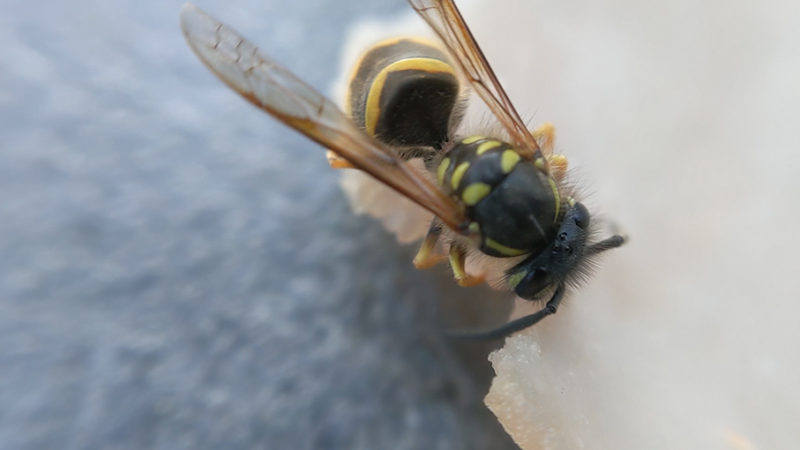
[179, 271]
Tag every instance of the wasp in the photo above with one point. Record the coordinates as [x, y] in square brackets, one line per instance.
[503, 195]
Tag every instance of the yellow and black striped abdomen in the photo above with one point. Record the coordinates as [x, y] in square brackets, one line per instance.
[514, 206]
[404, 92]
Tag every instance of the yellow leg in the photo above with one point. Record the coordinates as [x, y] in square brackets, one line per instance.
[337, 162]
[558, 166]
[426, 256]
[457, 258]
[545, 135]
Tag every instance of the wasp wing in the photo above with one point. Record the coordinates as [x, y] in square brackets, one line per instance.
[446, 20]
[277, 91]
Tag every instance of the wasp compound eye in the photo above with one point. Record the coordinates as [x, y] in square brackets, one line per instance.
[581, 216]
[534, 282]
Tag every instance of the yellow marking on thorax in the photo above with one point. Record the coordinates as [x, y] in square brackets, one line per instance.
[556, 195]
[373, 109]
[486, 146]
[441, 170]
[514, 279]
[508, 160]
[502, 249]
[455, 179]
[475, 192]
[472, 139]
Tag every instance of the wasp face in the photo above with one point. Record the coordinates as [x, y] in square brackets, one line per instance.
[551, 267]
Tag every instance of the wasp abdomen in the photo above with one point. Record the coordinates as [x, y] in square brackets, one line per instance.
[404, 92]
[513, 205]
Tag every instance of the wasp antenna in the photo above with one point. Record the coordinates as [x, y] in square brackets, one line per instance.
[516, 325]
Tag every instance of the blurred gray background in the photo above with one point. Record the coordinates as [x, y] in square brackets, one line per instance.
[179, 271]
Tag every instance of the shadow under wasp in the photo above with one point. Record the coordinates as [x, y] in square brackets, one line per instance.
[503, 195]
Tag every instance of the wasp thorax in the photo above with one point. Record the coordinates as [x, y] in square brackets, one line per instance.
[513, 205]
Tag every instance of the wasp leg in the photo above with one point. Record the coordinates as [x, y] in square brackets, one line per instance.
[518, 324]
[558, 166]
[545, 135]
[458, 257]
[337, 162]
[426, 258]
